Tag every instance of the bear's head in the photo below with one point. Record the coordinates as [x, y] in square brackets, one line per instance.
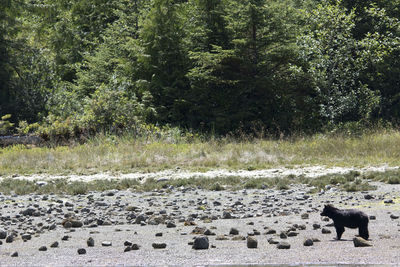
[328, 210]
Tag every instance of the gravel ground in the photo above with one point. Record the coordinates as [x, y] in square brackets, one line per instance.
[119, 216]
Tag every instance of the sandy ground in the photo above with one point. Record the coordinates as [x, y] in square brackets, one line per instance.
[284, 212]
[312, 171]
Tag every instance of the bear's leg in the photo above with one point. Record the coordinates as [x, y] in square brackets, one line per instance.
[363, 231]
[339, 231]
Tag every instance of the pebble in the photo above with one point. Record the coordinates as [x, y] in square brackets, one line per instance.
[90, 242]
[15, 254]
[159, 245]
[3, 234]
[135, 247]
[252, 242]
[283, 245]
[201, 242]
[393, 216]
[234, 231]
[308, 242]
[81, 251]
[43, 248]
[326, 231]
[361, 242]
[106, 243]
[10, 239]
[54, 245]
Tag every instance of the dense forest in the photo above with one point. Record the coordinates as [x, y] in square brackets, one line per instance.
[81, 67]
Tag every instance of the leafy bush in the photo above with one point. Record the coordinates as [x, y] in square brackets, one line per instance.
[5, 125]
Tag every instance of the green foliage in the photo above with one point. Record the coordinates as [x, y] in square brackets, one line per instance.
[258, 67]
[335, 62]
[5, 124]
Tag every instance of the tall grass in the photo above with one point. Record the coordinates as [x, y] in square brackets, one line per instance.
[127, 154]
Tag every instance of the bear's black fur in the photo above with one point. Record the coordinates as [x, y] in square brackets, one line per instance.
[347, 218]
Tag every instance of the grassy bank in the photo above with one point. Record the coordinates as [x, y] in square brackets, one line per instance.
[126, 154]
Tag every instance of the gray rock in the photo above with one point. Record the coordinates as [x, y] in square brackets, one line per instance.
[270, 232]
[208, 232]
[326, 231]
[159, 245]
[234, 231]
[15, 254]
[308, 242]
[361, 242]
[201, 242]
[10, 239]
[252, 242]
[28, 212]
[128, 243]
[305, 216]
[90, 242]
[226, 215]
[81, 251]
[171, 224]
[26, 237]
[65, 238]
[388, 201]
[135, 247]
[316, 226]
[54, 245]
[43, 248]
[393, 216]
[283, 245]
[127, 249]
[273, 241]
[3, 234]
[283, 235]
[106, 243]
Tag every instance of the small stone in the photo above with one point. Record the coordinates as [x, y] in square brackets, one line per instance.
[159, 234]
[127, 243]
[393, 216]
[270, 232]
[305, 216]
[252, 242]
[238, 238]
[273, 241]
[90, 242]
[106, 244]
[292, 233]
[283, 245]
[81, 251]
[10, 239]
[316, 226]
[65, 238]
[54, 245]
[135, 247]
[361, 242]
[226, 215]
[208, 232]
[171, 224]
[67, 224]
[201, 242]
[372, 217]
[368, 197]
[308, 242]
[3, 234]
[26, 237]
[326, 231]
[43, 248]
[388, 201]
[159, 245]
[234, 231]
[283, 235]
[221, 238]
[127, 249]
[15, 254]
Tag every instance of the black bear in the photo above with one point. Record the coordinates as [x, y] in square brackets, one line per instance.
[347, 218]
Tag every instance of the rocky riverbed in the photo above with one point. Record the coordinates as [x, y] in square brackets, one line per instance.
[192, 227]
